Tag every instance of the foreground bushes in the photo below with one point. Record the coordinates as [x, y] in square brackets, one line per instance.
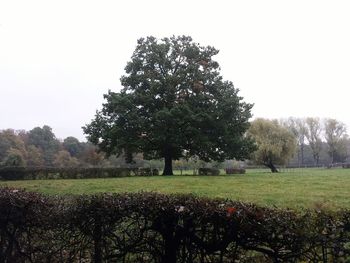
[30, 173]
[149, 227]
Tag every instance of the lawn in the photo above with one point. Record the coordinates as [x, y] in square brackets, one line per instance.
[297, 188]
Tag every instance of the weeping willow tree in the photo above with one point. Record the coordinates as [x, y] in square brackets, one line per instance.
[276, 144]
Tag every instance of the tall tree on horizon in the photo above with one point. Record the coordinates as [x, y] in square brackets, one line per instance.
[313, 136]
[336, 136]
[44, 139]
[298, 127]
[10, 142]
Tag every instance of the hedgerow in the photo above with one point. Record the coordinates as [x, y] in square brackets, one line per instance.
[235, 171]
[31, 173]
[150, 227]
[208, 171]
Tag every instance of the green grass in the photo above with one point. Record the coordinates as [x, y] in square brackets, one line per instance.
[297, 188]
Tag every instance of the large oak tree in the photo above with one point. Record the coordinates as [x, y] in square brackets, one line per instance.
[174, 103]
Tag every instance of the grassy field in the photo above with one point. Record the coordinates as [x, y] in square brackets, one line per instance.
[296, 188]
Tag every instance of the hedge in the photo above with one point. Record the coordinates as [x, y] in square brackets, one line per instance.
[346, 165]
[235, 171]
[208, 171]
[150, 227]
[31, 173]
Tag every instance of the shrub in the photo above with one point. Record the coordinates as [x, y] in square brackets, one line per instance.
[235, 171]
[208, 171]
[346, 165]
[150, 227]
[148, 172]
[155, 172]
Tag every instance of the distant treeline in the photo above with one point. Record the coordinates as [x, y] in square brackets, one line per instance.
[40, 147]
[319, 143]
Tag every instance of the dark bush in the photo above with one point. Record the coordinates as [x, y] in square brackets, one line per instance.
[346, 165]
[235, 171]
[148, 171]
[208, 171]
[149, 227]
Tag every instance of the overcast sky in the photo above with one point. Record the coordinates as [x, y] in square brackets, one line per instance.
[58, 58]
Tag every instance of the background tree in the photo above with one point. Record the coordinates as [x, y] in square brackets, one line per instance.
[10, 140]
[173, 104]
[342, 152]
[313, 136]
[90, 155]
[64, 159]
[336, 137]
[72, 145]
[35, 156]
[14, 157]
[298, 127]
[44, 139]
[276, 144]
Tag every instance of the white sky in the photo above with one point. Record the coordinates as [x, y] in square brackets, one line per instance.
[58, 58]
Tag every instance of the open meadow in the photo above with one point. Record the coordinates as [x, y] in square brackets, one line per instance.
[293, 188]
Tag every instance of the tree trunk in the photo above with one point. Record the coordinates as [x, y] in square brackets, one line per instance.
[168, 165]
[272, 167]
[316, 159]
[302, 154]
[333, 152]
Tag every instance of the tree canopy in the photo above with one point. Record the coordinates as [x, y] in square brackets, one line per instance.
[72, 145]
[46, 140]
[276, 144]
[39, 147]
[313, 135]
[336, 137]
[174, 103]
[298, 127]
[9, 141]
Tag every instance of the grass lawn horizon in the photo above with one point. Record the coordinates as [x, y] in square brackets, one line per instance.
[295, 188]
